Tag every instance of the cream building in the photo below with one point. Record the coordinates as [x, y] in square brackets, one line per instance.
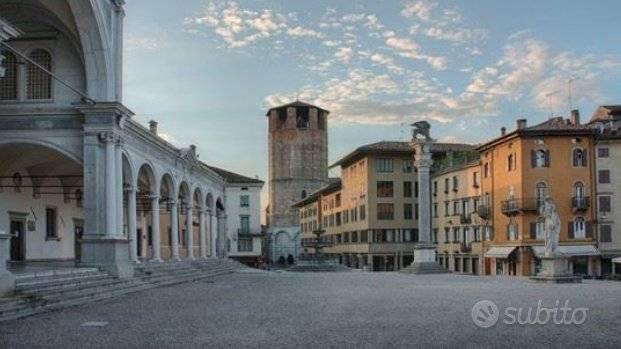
[457, 227]
[607, 120]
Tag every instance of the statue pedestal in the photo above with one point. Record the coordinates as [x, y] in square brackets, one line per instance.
[424, 261]
[555, 269]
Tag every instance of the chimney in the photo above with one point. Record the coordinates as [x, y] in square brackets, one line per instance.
[575, 117]
[153, 127]
[521, 124]
[503, 131]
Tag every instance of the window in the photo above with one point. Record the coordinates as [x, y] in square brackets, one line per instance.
[332, 220]
[51, 231]
[8, 83]
[407, 166]
[475, 179]
[416, 189]
[489, 236]
[385, 189]
[435, 188]
[383, 165]
[512, 231]
[455, 234]
[579, 158]
[455, 183]
[435, 210]
[579, 228]
[605, 233]
[604, 204]
[338, 219]
[446, 235]
[541, 193]
[338, 200]
[455, 207]
[244, 201]
[385, 211]
[416, 210]
[363, 212]
[244, 244]
[603, 176]
[407, 211]
[486, 170]
[407, 189]
[446, 185]
[511, 162]
[244, 224]
[446, 209]
[540, 158]
[579, 190]
[38, 82]
[603, 152]
[536, 229]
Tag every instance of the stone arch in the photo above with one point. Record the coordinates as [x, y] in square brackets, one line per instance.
[47, 144]
[197, 197]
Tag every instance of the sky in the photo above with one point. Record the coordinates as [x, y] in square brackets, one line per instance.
[207, 71]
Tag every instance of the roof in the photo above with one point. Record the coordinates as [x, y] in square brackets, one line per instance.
[334, 184]
[606, 113]
[459, 166]
[232, 177]
[556, 126]
[295, 104]
[397, 147]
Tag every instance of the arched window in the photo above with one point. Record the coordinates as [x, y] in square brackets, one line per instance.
[579, 190]
[38, 82]
[8, 83]
[541, 193]
[540, 158]
[579, 157]
[579, 228]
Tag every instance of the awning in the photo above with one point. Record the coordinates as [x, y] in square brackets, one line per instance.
[616, 260]
[569, 250]
[499, 251]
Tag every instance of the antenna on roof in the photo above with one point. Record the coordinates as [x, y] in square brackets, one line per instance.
[549, 96]
[570, 81]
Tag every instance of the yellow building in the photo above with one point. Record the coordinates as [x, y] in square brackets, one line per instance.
[370, 213]
[521, 168]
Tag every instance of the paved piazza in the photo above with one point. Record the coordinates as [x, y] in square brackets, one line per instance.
[283, 309]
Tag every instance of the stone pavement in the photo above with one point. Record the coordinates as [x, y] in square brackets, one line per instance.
[285, 309]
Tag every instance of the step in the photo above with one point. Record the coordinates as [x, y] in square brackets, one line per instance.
[89, 292]
[70, 288]
[54, 273]
[60, 283]
[56, 278]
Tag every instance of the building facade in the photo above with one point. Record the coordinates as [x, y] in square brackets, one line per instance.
[606, 120]
[519, 170]
[81, 181]
[298, 166]
[370, 213]
[244, 235]
[457, 228]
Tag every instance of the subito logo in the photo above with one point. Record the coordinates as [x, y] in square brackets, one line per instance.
[485, 314]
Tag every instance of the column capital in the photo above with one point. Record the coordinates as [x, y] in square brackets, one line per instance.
[128, 188]
[153, 196]
[107, 137]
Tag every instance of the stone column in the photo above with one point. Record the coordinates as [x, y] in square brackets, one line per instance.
[189, 230]
[119, 187]
[131, 223]
[212, 237]
[202, 233]
[174, 230]
[7, 279]
[110, 185]
[424, 250]
[155, 228]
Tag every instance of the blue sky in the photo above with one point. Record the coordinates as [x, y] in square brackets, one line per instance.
[208, 70]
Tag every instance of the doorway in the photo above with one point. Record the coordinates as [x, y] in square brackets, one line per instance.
[78, 232]
[18, 240]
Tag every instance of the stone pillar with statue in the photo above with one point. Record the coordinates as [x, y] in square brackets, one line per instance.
[424, 250]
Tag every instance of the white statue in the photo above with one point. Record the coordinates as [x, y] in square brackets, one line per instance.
[551, 226]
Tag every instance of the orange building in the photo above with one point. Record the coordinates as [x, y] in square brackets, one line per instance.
[519, 169]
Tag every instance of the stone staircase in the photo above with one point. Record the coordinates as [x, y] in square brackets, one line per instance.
[36, 293]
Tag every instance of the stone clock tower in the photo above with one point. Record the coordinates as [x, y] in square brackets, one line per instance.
[298, 166]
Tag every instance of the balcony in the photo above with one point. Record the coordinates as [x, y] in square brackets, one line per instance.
[483, 211]
[466, 246]
[513, 207]
[248, 232]
[580, 203]
[465, 219]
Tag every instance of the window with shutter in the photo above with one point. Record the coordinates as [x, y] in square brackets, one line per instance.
[547, 158]
[603, 176]
[570, 230]
[605, 233]
[604, 204]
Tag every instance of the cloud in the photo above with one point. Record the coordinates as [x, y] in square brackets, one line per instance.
[344, 54]
[409, 49]
[299, 31]
[146, 43]
[420, 9]
[386, 61]
[461, 35]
